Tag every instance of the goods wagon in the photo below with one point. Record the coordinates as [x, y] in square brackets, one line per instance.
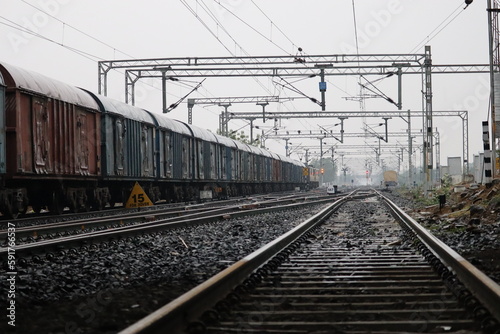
[61, 146]
[52, 146]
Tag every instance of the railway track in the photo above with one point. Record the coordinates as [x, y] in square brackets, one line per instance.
[50, 238]
[340, 273]
[29, 221]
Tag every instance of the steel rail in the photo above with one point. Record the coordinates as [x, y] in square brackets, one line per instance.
[181, 311]
[177, 315]
[480, 285]
[49, 246]
[85, 225]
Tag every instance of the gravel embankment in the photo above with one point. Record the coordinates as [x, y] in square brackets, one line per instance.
[105, 289]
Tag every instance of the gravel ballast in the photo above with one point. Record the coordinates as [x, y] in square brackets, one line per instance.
[104, 289]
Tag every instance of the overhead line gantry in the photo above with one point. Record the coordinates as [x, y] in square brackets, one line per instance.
[285, 66]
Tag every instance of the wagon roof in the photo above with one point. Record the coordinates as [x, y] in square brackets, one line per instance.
[290, 160]
[38, 83]
[171, 124]
[203, 134]
[259, 151]
[266, 153]
[226, 141]
[109, 105]
[242, 146]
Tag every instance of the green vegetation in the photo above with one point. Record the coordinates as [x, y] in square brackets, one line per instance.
[494, 202]
[242, 137]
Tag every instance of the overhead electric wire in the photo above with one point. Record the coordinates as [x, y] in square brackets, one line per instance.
[219, 24]
[209, 12]
[84, 54]
[427, 39]
[378, 92]
[25, 30]
[281, 31]
[72, 27]
[192, 11]
[254, 29]
[176, 104]
[361, 101]
[296, 90]
[213, 17]
[249, 26]
[217, 21]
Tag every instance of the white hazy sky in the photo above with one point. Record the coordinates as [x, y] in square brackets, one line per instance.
[72, 35]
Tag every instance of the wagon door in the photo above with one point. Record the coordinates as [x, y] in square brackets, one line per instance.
[199, 172]
[2, 128]
[119, 138]
[234, 164]
[186, 158]
[147, 151]
[168, 153]
[209, 169]
[82, 144]
[41, 135]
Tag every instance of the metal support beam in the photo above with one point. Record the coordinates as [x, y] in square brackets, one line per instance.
[322, 84]
[410, 151]
[400, 88]
[494, 69]
[438, 156]
[386, 128]
[316, 133]
[339, 114]
[321, 160]
[465, 142]
[164, 91]
[259, 100]
[225, 119]
[102, 87]
[130, 80]
[251, 130]
[368, 64]
[263, 105]
[427, 90]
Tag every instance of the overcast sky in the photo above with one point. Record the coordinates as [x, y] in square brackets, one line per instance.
[72, 35]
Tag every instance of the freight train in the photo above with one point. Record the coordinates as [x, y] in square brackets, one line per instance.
[66, 147]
